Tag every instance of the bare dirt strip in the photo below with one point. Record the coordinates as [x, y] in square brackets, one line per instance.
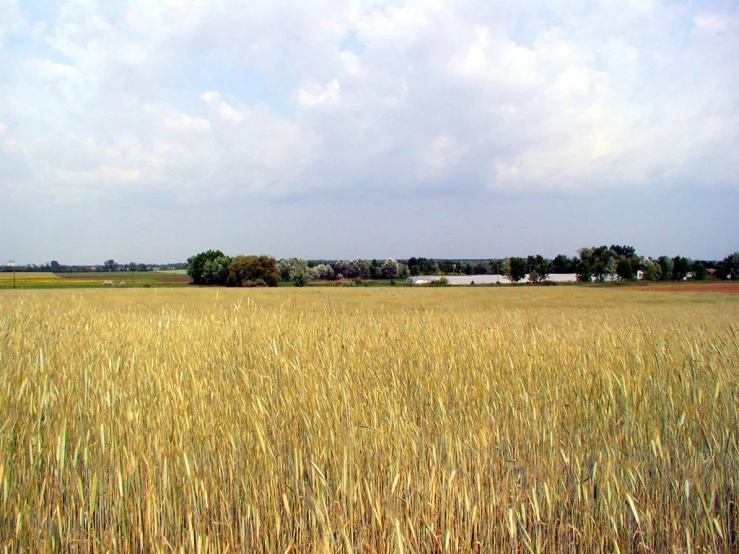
[730, 287]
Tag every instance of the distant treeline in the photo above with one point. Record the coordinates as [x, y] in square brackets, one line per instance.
[597, 263]
[108, 265]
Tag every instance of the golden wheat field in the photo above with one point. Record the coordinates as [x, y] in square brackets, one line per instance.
[561, 419]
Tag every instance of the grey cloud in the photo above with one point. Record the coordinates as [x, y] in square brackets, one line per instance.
[414, 100]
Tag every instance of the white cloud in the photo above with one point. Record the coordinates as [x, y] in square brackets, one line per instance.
[315, 94]
[351, 63]
[11, 20]
[222, 108]
[569, 96]
[712, 23]
[83, 35]
[186, 123]
[576, 81]
[110, 176]
[476, 58]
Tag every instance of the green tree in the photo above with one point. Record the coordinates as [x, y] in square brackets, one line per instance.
[353, 269]
[730, 266]
[390, 269]
[245, 271]
[605, 255]
[611, 268]
[295, 270]
[603, 259]
[110, 265]
[651, 270]
[322, 272]
[403, 271]
[414, 265]
[375, 270]
[515, 269]
[364, 268]
[496, 266]
[680, 268]
[447, 266]
[665, 268]
[600, 271]
[480, 268]
[538, 268]
[700, 272]
[422, 266]
[215, 272]
[623, 251]
[300, 275]
[584, 272]
[586, 255]
[563, 264]
[283, 268]
[196, 263]
[624, 269]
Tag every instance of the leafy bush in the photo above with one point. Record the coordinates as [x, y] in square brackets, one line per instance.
[652, 270]
[584, 272]
[322, 272]
[294, 270]
[300, 278]
[440, 282]
[196, 265]
[700, 272]
[246, 269]
[730, 266]
[625, 270]
[390, 269]
[215, 272]
[680, 268]
[515, 269]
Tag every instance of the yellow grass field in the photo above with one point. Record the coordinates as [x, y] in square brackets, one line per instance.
[559, 419]
[27, 275]
[25, 278]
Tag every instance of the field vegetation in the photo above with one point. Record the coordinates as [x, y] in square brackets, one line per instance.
[40, 280]
[562, 419]
[25, 279]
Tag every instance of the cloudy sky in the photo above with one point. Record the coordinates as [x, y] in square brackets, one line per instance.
[148, 130]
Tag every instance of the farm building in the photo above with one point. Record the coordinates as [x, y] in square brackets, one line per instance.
[484, 279]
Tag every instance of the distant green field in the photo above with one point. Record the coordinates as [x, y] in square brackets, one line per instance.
[93, 279]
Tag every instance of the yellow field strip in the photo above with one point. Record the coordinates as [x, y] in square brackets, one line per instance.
[28, 276]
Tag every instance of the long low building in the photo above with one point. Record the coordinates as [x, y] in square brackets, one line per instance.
[485, 279]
